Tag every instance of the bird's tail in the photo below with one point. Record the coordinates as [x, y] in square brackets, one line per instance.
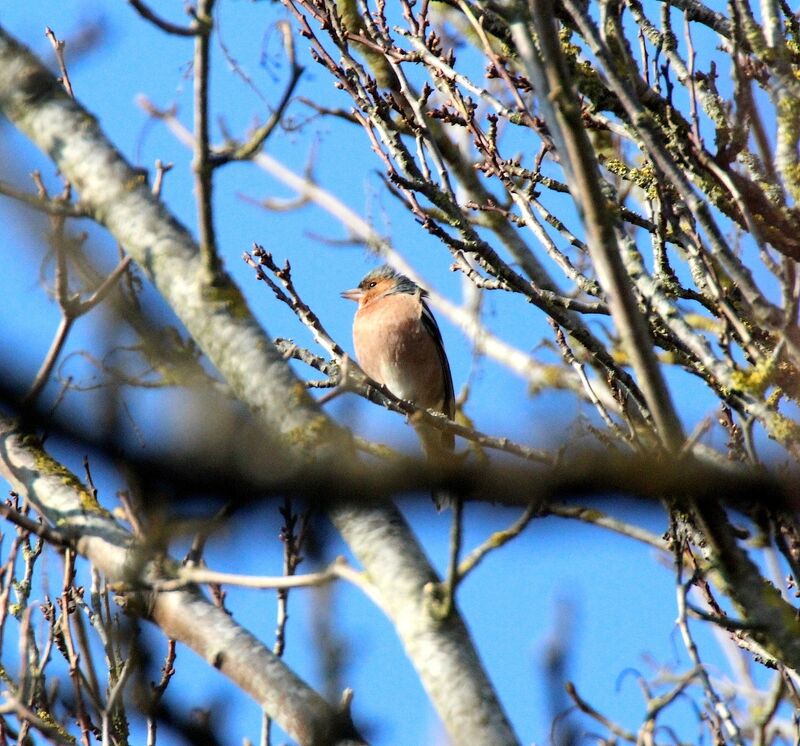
[439, 447]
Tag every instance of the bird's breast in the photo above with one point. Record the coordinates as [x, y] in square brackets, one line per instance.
[394, 348]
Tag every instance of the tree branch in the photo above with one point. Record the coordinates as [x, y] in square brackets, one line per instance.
[225, 330]
[184, 615]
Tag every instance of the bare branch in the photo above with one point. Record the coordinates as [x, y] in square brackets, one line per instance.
[145, 12]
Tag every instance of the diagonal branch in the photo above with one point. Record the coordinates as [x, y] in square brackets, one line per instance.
[560, 109]
[221, 323]
[184, 615]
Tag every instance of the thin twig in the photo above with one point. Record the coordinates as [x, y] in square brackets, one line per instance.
[495, 541]
[599, 518]
[546, 68]
[58, 48]
[69, 648]
[25, 714]
[157, 691]
[162, 169]
[720, 706]
[586, 708]
[186, 575]
[246, 151]
[72, 308]
[171, 28]
[57, 206]
[201, 162]
[446, 593]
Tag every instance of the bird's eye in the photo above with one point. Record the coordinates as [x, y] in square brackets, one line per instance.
[372, 284]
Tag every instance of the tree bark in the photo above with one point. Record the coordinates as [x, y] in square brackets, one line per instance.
[217, 317]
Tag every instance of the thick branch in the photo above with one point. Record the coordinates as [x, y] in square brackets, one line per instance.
[184, 615]
[562, 114]
[117, 196]
[223, 327]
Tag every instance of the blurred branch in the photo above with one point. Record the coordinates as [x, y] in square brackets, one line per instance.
[52, 732]
[337, 570]
[586, 708]
[145, 12]
[247, 150]
[219, 470]
[57, 206]
[732, 730]
[58, 48]
[495, 541]
[546, 68]
[182, 614]
[222, 325]
[71, 305]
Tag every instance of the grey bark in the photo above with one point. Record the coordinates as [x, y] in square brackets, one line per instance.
[221, 323]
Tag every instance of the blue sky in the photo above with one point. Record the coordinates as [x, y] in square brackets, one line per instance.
[618, 596]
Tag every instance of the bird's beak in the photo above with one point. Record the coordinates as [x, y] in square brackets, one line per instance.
[354, 294]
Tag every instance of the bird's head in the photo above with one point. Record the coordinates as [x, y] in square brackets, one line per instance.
[379, 283]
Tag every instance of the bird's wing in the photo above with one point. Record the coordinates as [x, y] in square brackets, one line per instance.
[429, 322]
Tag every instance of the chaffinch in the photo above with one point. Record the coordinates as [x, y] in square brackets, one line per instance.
[398, 344]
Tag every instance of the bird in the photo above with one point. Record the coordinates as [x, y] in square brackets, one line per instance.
[398, 344]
